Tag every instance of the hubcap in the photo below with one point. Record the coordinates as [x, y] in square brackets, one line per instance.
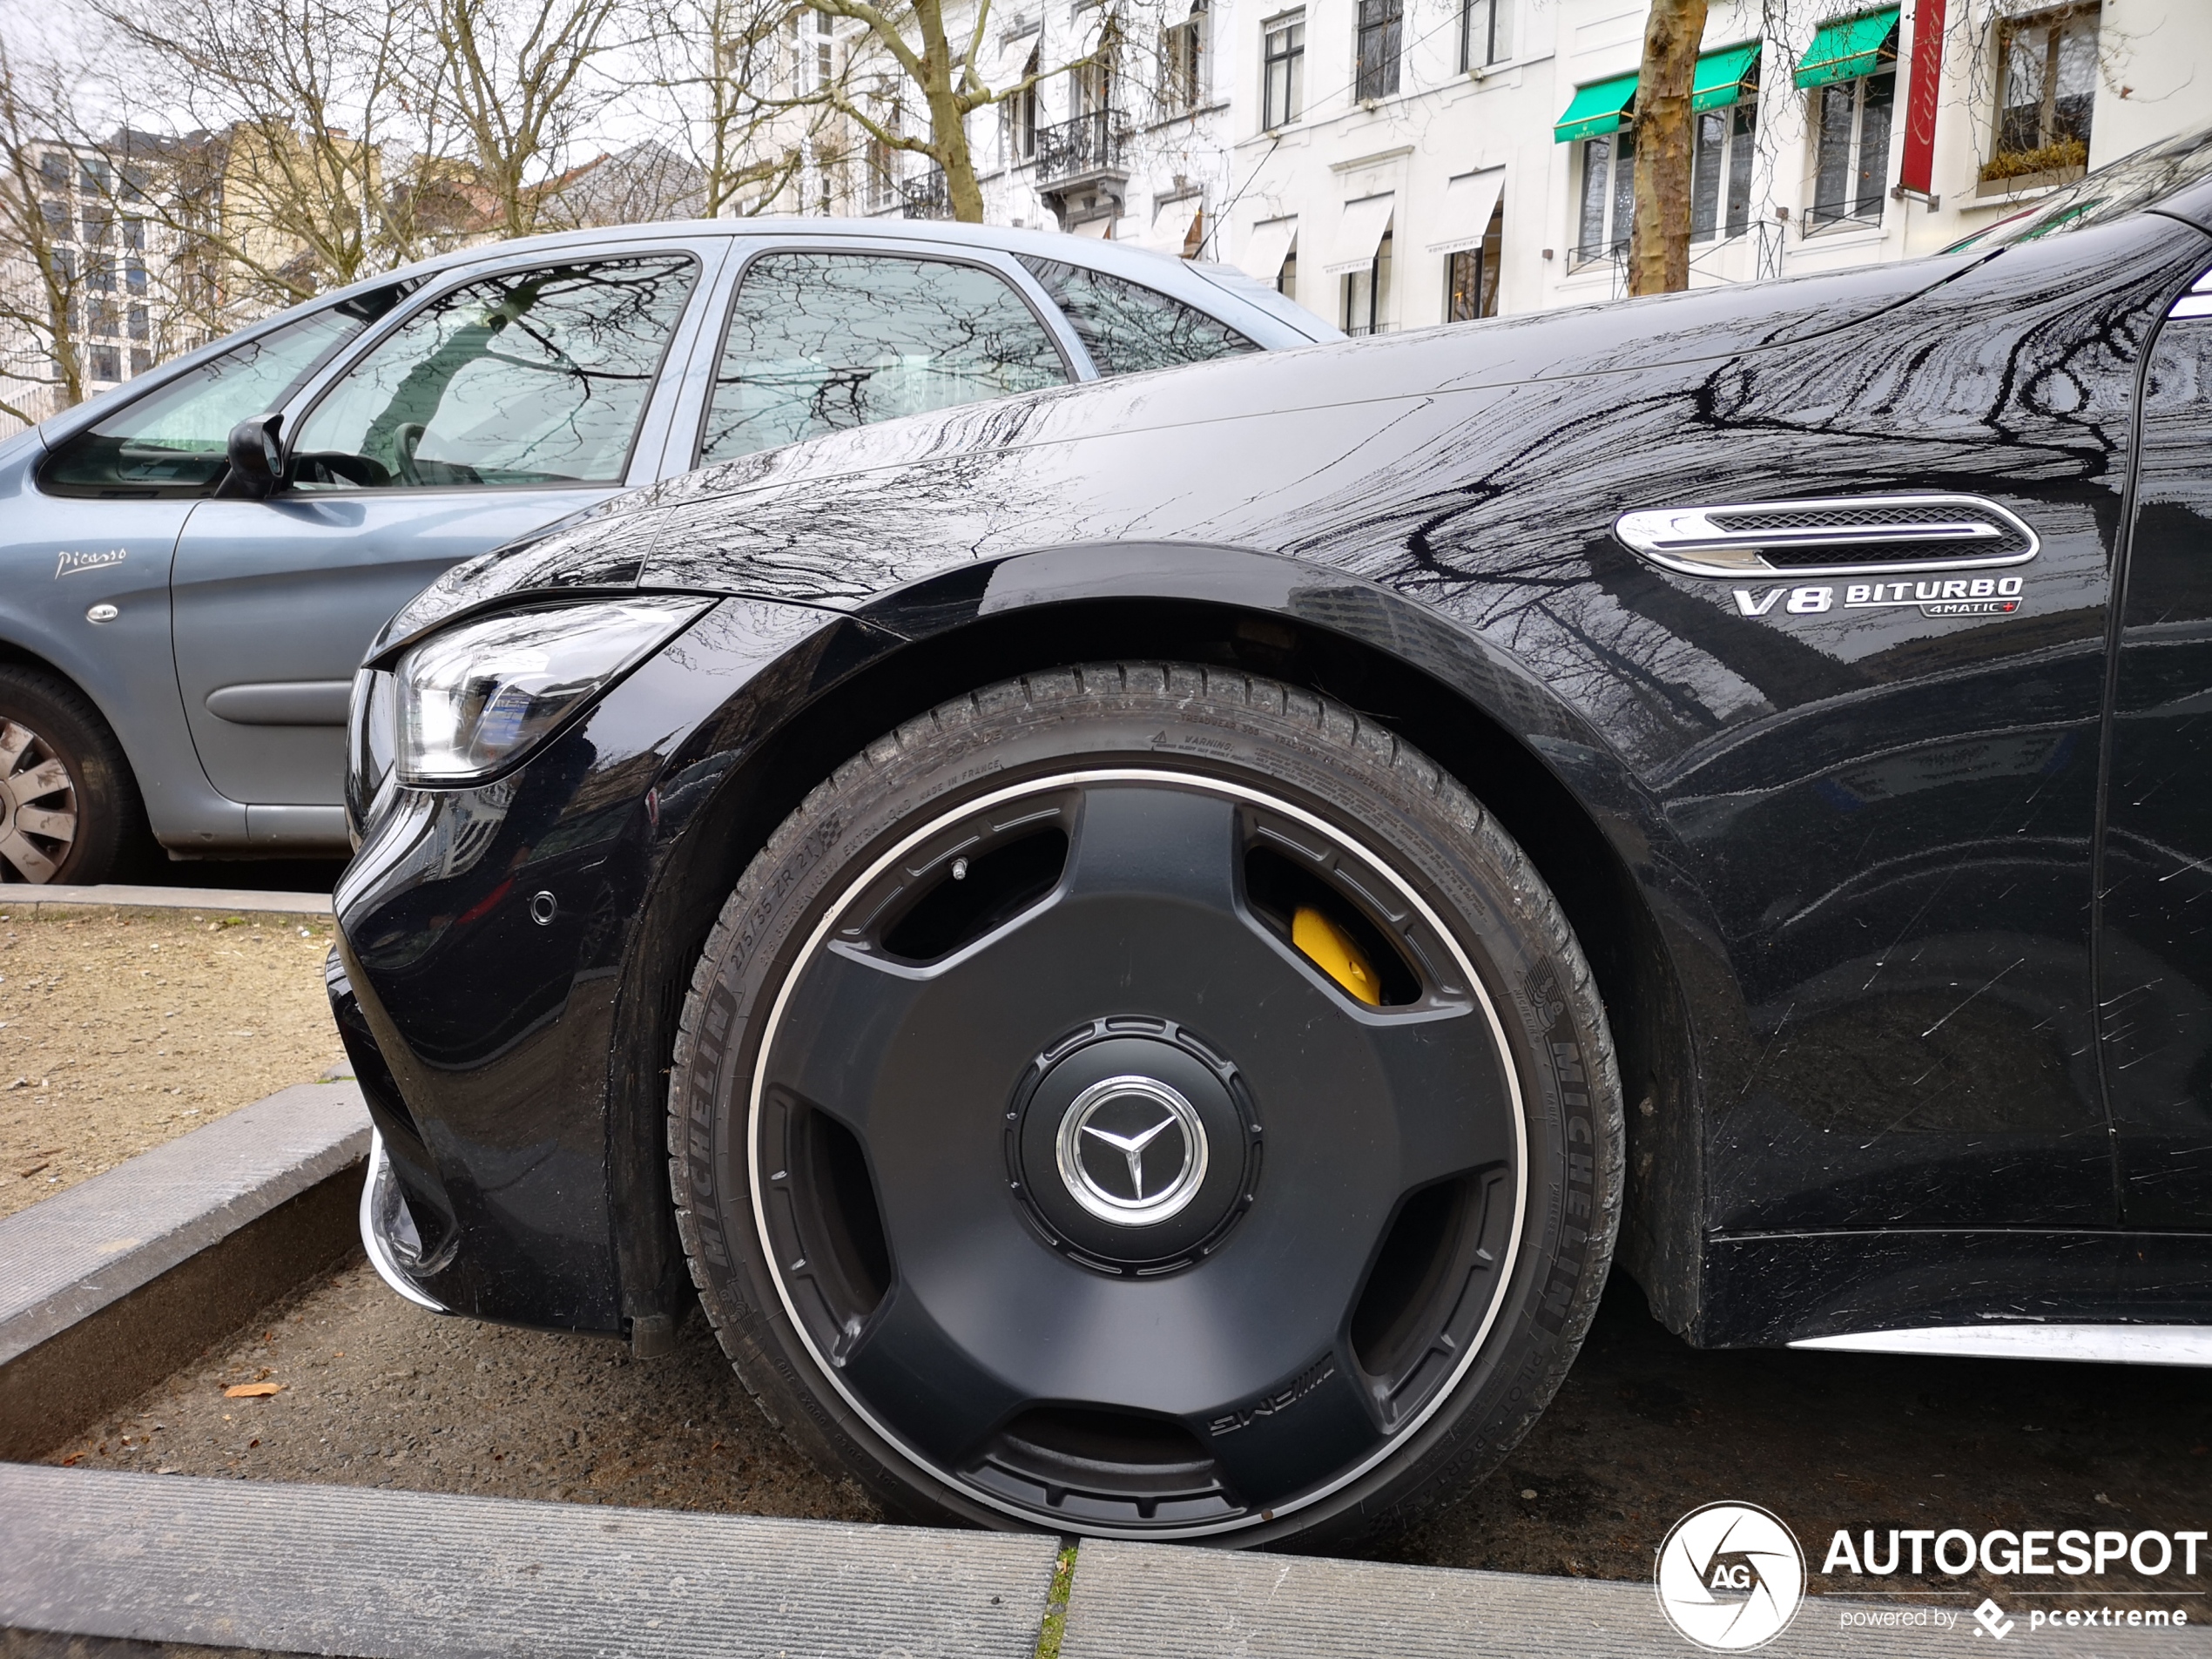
[1008, 1124]
[38, 807]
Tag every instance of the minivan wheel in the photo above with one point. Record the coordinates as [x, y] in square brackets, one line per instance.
[1147, 1100]
[68, 804]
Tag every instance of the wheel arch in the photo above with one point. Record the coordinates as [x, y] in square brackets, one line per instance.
[1543, 770]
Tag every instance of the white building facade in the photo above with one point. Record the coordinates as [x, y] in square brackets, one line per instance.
[1397, 164]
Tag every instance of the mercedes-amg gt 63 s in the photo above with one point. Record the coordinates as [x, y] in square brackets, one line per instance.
[1144, 949]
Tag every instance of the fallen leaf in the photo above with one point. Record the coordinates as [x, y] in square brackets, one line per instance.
[70, 1462]
[252, 1391]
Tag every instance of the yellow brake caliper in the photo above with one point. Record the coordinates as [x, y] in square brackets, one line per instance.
[1331, 950]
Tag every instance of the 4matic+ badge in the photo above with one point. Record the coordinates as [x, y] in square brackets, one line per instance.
[1981, 595]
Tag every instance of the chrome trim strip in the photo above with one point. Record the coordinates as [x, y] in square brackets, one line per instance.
[2115, 1345]
[379, 1252]
[2197, 302]
[1688, 541]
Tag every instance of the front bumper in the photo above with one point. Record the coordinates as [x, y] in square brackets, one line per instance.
[504, 968]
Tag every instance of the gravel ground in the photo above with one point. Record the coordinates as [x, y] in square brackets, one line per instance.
[376, 1391]
[119, 1030]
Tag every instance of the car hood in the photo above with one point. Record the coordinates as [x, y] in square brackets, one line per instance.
[1254, 451]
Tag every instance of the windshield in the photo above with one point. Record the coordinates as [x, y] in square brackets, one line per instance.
[2128, 186]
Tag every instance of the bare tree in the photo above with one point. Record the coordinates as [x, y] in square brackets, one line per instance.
[44, 284]
[925, 50]
[511, 87]
[710, 71]
[297, 175]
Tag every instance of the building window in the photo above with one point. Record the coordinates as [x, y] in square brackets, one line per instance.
[1366, 294]
[1183, 60]
[1486, 32]
[106, 362]
[1090, 84]
[807, 45]
[1471, 285]
[139, 329]
[56, 215]
[1285, 80]
[141, 360]
[1022, 114]
[1286, 279]
[883, 176]
[1607, 208]
[1851, 149]
[1381, 26]
[1720, 172]
[53, 169]
[2046, 79]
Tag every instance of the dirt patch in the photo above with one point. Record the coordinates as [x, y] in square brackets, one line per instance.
[376, 1391]
[121, 1030]
[1646, 1428]
[373, 1391]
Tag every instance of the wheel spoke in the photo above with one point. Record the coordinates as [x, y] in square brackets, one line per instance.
[1301, 1428]
[1134, 841]
[59, 826]
[848, 1010]
[26, 860]
[14, 739]
[47, 777]
[1451, 1103]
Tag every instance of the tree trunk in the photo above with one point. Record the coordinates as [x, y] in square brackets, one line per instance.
[947, 115]
[1659, 242]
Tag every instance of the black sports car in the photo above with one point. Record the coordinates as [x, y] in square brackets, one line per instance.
[1143, 950]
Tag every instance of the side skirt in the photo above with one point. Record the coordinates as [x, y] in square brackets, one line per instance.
[1772, 1289]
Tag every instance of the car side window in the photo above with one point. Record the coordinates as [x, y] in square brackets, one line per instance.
[530, 377]
[820, 343]
[1128, 327]
[173, 441]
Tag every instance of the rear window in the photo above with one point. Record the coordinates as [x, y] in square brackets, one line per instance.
[1128, 327]
[2128, 186]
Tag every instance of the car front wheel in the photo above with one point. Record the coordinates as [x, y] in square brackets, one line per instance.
[1150, 1101]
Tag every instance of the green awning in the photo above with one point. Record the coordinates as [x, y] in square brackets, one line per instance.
[1725, 76]
[1848, 49]
[1599, 107]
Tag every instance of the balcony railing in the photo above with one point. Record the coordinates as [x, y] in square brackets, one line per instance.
[926, 196]
[1089, 144]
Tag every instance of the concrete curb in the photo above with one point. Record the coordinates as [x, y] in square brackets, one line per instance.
[386, 1575]
[110, 1285]
[228, 902]
[1153, 1602]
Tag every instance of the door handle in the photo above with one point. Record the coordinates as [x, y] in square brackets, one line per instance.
[1837, 536]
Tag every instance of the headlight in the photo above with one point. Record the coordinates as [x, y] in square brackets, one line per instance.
[474, 698]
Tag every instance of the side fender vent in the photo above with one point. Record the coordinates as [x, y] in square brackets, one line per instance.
[1841, 536]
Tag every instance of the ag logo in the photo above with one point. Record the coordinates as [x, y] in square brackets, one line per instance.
[1731, 1576]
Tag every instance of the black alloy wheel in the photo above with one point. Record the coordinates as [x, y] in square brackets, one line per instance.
[1147, 1100]
[68, 804]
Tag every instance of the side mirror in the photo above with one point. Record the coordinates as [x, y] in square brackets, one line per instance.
[256, 457]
